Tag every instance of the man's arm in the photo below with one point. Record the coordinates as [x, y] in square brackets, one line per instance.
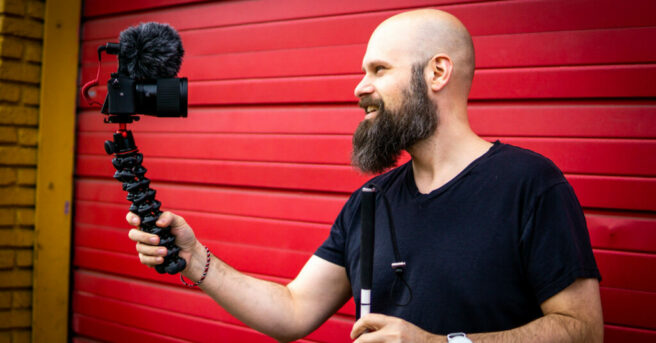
[282, 312]
[572, 315]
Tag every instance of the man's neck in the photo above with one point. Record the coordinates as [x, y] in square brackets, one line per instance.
[441, 157]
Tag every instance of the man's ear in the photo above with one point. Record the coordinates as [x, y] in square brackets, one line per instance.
[441, 68]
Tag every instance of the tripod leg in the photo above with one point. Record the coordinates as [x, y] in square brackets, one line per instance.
[128, 164]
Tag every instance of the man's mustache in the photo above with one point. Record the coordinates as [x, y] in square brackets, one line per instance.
[367, 101]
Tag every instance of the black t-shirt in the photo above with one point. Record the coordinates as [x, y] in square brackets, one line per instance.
[482, 252]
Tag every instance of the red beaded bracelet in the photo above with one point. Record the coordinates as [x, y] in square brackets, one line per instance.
[202, 277]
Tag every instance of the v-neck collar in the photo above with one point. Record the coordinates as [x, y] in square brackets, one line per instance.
[412, 185]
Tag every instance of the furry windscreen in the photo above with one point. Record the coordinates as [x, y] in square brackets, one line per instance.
[150, 51]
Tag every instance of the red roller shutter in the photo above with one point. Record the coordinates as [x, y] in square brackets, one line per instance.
[260, 168]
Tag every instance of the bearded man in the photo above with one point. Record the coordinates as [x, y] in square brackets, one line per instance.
[494, 239]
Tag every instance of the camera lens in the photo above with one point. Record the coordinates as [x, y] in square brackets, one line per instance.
[165, 98]
[172, 97]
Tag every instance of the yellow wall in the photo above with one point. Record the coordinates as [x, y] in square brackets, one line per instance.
[54, 177]
[21, 34]
[39, 46]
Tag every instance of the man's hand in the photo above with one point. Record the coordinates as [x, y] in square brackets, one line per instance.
[380, 328]
[149, 253]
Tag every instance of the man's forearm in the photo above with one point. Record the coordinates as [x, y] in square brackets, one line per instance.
[572, 315]
[265, 306]
[548, 329]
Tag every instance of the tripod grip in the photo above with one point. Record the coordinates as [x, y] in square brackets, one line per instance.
[127, 162]
[173, 263]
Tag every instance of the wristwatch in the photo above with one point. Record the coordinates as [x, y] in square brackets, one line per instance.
[457, 337]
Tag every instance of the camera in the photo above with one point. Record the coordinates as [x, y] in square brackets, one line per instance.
[149, 57]
[161, 97]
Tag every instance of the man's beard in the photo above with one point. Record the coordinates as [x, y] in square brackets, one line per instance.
[378, 142]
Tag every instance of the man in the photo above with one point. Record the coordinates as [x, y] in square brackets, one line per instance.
[493, 236]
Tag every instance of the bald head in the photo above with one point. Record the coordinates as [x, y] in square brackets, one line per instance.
[421, 34]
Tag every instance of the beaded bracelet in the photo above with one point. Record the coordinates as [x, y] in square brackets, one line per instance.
[202, 277]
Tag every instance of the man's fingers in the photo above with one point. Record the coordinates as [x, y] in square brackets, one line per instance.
[150, 260]
[370, 322]
[149, 253]
[143, 237]
[132, 219]
[151, 250]
[169, 219]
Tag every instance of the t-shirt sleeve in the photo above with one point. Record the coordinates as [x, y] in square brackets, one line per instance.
[333, 248]
[555, 244]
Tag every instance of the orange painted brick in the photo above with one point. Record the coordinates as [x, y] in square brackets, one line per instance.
[33, 51]
[15, 319]
[20, 115]
[8, 176]
[19, 71]
[26, 176]
[7, 216]
[9, 92]
[28, 136]
[35, 9]
[25, 216]
[7, 259]
[8, 134]
[5, 317]
[21, 336]
[12, 155]
[21, 27]
[5, 300]
[21, 299]
[23, 258]
[16, 238]
[11, 47]
[15, 278]
[22, 319]
[12, 7]
[13, 195]
[31, 95]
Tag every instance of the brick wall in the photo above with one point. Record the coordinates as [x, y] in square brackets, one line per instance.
[21, 34]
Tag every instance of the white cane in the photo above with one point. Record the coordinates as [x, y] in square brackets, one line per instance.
[368, 214]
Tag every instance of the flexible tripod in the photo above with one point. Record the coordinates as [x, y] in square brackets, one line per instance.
[127, 162]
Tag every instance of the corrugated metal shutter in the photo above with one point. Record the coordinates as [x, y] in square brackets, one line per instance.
[261, 166]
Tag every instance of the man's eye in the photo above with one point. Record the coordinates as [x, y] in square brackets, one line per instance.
[378, 69]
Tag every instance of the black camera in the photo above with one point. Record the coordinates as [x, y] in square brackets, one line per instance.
[149, 57]
[161, 97]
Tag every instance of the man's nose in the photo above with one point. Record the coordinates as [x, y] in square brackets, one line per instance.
[363, 88]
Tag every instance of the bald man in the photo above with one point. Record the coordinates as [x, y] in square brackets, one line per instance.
[493, 237]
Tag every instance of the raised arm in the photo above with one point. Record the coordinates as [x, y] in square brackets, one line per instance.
[282, 312]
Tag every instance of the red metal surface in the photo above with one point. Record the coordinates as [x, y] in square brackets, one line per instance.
[260, 168]
[610, 46]
[619, 81]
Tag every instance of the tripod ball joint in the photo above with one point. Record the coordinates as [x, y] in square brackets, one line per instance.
[127, 162]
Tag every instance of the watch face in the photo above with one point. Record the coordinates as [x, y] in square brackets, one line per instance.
[458, 338]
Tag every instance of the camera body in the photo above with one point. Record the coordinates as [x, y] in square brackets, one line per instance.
[166, 97]
[149, 57]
